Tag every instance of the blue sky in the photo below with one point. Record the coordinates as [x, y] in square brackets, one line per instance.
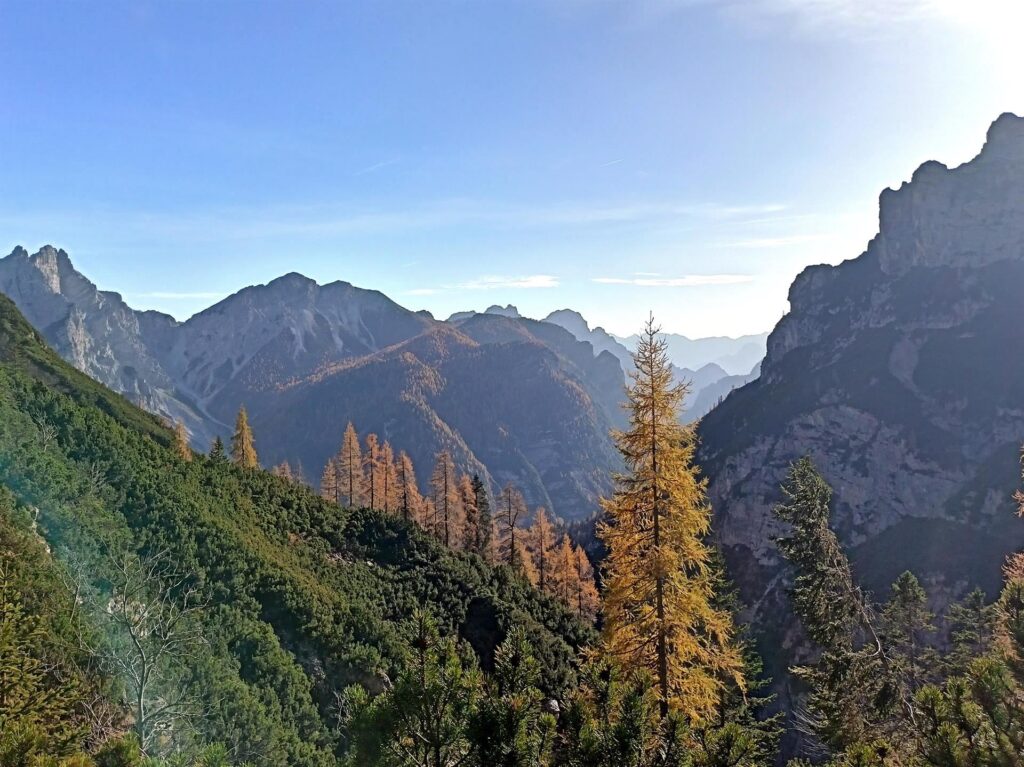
[679, 156]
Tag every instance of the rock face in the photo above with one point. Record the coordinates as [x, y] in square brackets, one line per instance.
[900, 372]
[514, 399]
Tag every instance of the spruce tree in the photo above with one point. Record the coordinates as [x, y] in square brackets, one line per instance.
[485, 525]
[217, 452]
[243, 449]
[659, 612]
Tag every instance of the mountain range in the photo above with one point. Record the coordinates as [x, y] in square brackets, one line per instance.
[514, 399]
[899, 372]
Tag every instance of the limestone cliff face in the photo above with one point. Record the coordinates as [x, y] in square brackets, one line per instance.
[901, 372]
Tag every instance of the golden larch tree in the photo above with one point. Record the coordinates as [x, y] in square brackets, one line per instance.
[587, 601]
[243, 448]
[409, 499]
[471, 530]
[389, 483]
[563, 571]
[373, 482]
[181, 447]
[542, 547]
[445, 496]
[284, 471]
[659, 615]
[511, 544]
[350, 468]
[330, 481]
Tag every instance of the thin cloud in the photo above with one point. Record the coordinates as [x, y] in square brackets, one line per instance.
[492, 282]
[771, 242]
[375, 167]
[686, 281]
[177, 296]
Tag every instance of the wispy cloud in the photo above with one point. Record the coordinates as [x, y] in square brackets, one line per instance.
[491, 282]
[686, 281]
[772, 242]
[178, 296]
[375, 167]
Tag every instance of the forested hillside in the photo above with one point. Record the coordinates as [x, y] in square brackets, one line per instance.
[257, 601]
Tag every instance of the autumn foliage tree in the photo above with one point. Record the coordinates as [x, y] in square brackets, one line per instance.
[181, 447]
[659, 610]
[445, 496]
[542, 547]
[243, 448]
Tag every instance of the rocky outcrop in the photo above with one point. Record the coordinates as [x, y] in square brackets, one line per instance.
[900, 372]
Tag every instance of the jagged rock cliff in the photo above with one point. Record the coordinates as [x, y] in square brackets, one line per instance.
[901, 373]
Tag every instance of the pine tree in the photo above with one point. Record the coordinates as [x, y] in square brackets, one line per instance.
[541, 545]
[445, 495]
[486, 522]
[217, 452]
[409, 499]
[350, 466]
[243, 449]
[658, 602]
[906, 625]
[181, 447]
[851, 675]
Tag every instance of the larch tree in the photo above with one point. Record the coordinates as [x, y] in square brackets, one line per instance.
[486, 522]
[542, 546]
[243, 448]
[511, 546]
[409, 499]
[389, 484]
[350, 465]
[330, 481]
[564, 571]
[284, 471]
[587, 601]
[471, 533]
[372, 479]
[445, 495]
[181, 447]
[659, 610]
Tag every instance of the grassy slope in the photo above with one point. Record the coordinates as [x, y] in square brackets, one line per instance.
[305, 597]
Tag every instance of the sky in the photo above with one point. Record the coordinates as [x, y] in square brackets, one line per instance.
[684, 157]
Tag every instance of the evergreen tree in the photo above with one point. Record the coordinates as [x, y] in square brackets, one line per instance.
[509, 729]
[350, 466]
[243, 449]
[181, 448]
[217, 452]
[852, 691]
[907, 626]
[658, 601]
[424, 718]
